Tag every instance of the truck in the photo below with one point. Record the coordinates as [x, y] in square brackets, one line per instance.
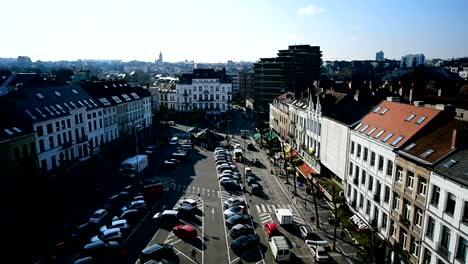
[285, 216]
[134, 166]
[280, 248]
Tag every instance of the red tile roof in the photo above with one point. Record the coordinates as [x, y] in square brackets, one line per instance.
[439, 140]
[395, 122]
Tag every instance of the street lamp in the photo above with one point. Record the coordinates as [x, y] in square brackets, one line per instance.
[136, 150]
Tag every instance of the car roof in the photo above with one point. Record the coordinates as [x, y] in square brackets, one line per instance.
[239, 226]
[307, 228]
[152, 248]
[272, 225]
[188, 228]
[189, 200]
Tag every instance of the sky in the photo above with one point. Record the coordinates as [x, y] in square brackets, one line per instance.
[219, 30]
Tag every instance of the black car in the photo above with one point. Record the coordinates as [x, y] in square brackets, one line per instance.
[240, 230]
[132, 215]
[231, 185]
[186, 211]
[256, 188]
[156, 252]
[83, 232]
[251, 180]
[238, 219]
[171, 164]
[243, 243]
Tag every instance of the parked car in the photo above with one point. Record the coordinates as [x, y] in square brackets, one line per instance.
[99, 216]
[306, 232]
[185, 232]
[251, 180]
[150, 150]
[132, 216]
[256, 188]
[168, 218]
[271, 229]
[238, 219]
[104, 252]
[251, 146]
[186, 211]
[138, 205]
[190, 202]
[83, 232]
[171, 164]
[244, 243]
[115, 202]
[120, 223]
[233, 201]
[319, 253]
[231, 185]
[193, 130]
[156, 252]
[113, 234]
[229, 176]
[239, 230]
[236, 209]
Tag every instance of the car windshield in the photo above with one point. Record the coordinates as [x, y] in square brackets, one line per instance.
[322, 253]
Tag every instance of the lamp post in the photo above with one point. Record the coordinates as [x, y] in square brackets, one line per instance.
[137, 168]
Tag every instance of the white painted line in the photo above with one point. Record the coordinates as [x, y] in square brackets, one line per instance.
[203, 191]
[184, 255]
[198, 189]
[264, 208]
[258, 208]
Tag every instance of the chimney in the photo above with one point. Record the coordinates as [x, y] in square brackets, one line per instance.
[393, 99]
[418, 103]
[455, 139]
[439, 92]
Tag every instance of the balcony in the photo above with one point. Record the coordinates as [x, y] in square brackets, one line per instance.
[377, 198]
[405, 221]
[443, 251]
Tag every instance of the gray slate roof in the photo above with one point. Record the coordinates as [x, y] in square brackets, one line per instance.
[458, 171]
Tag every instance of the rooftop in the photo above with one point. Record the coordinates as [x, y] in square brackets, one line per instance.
[455, 166]
[395, 123]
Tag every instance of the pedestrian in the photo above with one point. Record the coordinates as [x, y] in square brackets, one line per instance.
[194, 254]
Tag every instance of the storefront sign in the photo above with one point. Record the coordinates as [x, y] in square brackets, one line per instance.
[358, 223]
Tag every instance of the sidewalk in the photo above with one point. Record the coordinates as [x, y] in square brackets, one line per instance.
[346, 250]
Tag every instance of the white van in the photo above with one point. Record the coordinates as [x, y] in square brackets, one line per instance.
[279, 248]
[174, 141]
[248, 171]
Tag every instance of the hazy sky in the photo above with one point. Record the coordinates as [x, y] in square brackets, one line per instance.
[218, 30]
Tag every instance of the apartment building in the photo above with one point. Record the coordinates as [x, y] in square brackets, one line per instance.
[371, 159]
[445, 237]
[413, 172]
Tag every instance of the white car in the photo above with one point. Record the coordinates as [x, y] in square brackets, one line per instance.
[229, 176]
[99, 216]
[190, 202]
[120, 223]
[233, 201]
[319, 253]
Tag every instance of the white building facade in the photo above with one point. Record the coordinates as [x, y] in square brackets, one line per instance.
[334, 151]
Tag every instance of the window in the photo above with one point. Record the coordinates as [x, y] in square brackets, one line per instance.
[39, 131]
[389, 167]
[421, 120]
[381, 163]
[358, 126]
[364, 128]
[371, 131]
[356, 171]
[363, 177]
[396, 201]
[59, 139]
[462, 250]
[414, 247]
[399, 174]
[358, 154]
[427, 257]
[367, 207]
[387, 194]
[450, 204]
[384, 111]
[410, 117]
[426, 153]
[57, 93]
[51, 142]
[365, 154]
[387, 137]
[350, 168]
[449, 163]
[352, 147]
[49, 129]
[394, 143]
[361, 201]
[371, 183]
[418, 217]
[406, 209]
[377, 109]
[403, 239]
[41, 145]
[379, 134]
[410, 146]
[435, 196]
[445, 238]
[430, 227]
[384, 221]
[392, 228]
[372, 158]
[410, 179]
[465, 212]
[422, 186]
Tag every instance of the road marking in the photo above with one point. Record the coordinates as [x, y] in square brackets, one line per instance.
[213, 213]
[203, 191]
[258, 208]
[184, 255]
[264, 210]
[198, 189]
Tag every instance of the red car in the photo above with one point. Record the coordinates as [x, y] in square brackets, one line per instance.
[185, 232]
[272, 229]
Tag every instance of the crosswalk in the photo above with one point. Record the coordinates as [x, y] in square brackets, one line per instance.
[166, 182]
[267, 209]
[193, 197]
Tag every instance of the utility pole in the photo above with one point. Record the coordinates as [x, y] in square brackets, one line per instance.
[314, 190]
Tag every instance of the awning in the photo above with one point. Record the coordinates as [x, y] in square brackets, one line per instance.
[270, 135]
[257, 136]
[287, 148]
[306, 171]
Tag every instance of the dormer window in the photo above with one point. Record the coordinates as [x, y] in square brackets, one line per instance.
[384, 111]
[421, 120]
[394, 143]
[427, 153]
[377, 109]
[40, 96]
[74, 91]
[410, 117]
[379, 134]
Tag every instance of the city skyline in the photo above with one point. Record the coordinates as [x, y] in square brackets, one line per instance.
[206, 31]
